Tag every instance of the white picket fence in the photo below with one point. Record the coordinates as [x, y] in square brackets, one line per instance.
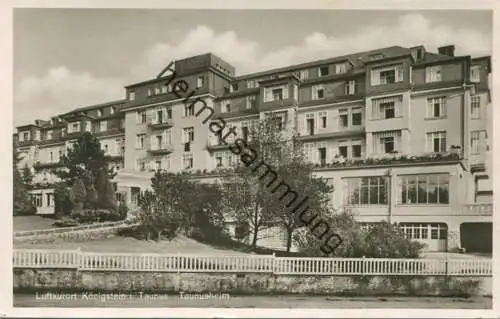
[49, 231]
[91, 261]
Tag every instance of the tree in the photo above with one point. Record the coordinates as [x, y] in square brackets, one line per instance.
[84, 158]
[62, 202]
[270, 184]
[78, 195]
[27, 176]
[21, 199]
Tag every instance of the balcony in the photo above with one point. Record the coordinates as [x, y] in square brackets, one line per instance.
[159, 125]
[349, 132]
[214, 145]
[163, 148]
[478, 209]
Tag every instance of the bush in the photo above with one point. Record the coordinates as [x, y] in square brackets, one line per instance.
[382, 240]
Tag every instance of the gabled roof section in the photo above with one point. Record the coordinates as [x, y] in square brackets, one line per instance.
[357, 60]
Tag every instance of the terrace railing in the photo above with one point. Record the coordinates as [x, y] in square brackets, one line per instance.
[92, 261]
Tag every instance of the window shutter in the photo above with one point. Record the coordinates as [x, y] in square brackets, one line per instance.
[399, 189]
[397, 107]
[444, 107]
[399, 73]
[285, 92]
[374, 78]
[268, 95]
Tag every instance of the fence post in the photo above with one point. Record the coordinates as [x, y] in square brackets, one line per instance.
[273, 263]
[363, 265]
[78, 258]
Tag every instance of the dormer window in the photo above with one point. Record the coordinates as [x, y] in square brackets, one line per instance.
[475, 74]
[150, 92]
[323, 70]
[25, 136]
[304, 74]
[112, 110]
[340, 68]
[131, 95]
[225, 106]
[49, 135]
[200, 82]
[433, 74]
[99, 113]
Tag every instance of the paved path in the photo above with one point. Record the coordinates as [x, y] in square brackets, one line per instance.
[226, 301]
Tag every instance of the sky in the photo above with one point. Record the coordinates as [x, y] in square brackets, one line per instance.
[69, 58]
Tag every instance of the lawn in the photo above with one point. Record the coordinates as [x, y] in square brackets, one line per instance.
[120, 244]
[32, 223]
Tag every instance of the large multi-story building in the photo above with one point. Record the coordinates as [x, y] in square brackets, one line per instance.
[402, 133]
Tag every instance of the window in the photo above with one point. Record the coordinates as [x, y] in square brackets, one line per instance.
[387, 75]
[158, 165]
[25, 136]
[475, 74]
[424, 189]
[433, 74]
[343, 118]
[187, 161]
[159, 144]
[322, 155]
[188, 135]
[366, 190]
[277, 94]
[169, 114]
[244, 133]
[436, 107]
[157, 90]
[310, 124]
[37, 200]
[341, 68]
[112, 110]
[250, 103]
[304, 74]
[323, 70]
[475, 106]
[49, 197]
[103, 126]
[356, 150]
[350, 87]
[308, 151]
[159, 116]
[131, 95]
[99, 113]
[50, 134]
[141, 165]
[75, 127]
[200, 82]
[421, 231]
[356, 117]
[322, 116]
[141, 117]
[436, 142]
[225, 106]
[164, 89]
[150, 92]
[139, 144]
[189, 110]
[474, 142]
[318, 92]
[219, 160]
[343, 151]
[387, 108]
[252, 84]
[386, 142]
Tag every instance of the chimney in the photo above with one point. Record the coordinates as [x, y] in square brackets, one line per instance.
[448, 50]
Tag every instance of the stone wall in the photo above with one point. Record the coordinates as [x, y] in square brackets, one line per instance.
[257, 283]
[74, 236]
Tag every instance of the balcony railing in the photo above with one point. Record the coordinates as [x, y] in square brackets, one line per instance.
[41, 165]
[161, 124]
[163, 148]
[479, 209]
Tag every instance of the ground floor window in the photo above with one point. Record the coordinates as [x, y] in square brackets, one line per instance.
[37, 199]
[424, 231]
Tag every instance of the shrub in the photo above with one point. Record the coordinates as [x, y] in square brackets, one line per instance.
[382, 240]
